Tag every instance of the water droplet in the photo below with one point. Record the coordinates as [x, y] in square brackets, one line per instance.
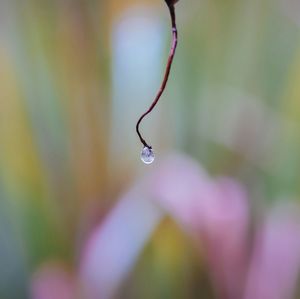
[147, 155]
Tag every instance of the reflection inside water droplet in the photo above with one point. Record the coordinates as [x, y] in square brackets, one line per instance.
[147, 155]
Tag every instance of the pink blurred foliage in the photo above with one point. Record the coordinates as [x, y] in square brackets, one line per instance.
[274, 266]
[259, 264]
[53, 280]
[214, 212]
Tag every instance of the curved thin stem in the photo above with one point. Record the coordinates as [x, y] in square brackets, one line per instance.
[166, 76]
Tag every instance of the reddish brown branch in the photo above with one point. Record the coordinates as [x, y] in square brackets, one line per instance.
[167, 71]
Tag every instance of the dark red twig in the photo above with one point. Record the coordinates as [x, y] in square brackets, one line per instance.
[167, 71]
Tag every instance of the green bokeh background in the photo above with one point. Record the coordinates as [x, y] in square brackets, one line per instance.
[232, 104]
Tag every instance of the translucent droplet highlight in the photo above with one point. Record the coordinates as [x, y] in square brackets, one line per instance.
[147, 155]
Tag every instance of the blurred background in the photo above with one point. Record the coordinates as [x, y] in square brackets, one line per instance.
[74, 78]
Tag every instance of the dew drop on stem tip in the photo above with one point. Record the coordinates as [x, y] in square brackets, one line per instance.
[147, 155]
